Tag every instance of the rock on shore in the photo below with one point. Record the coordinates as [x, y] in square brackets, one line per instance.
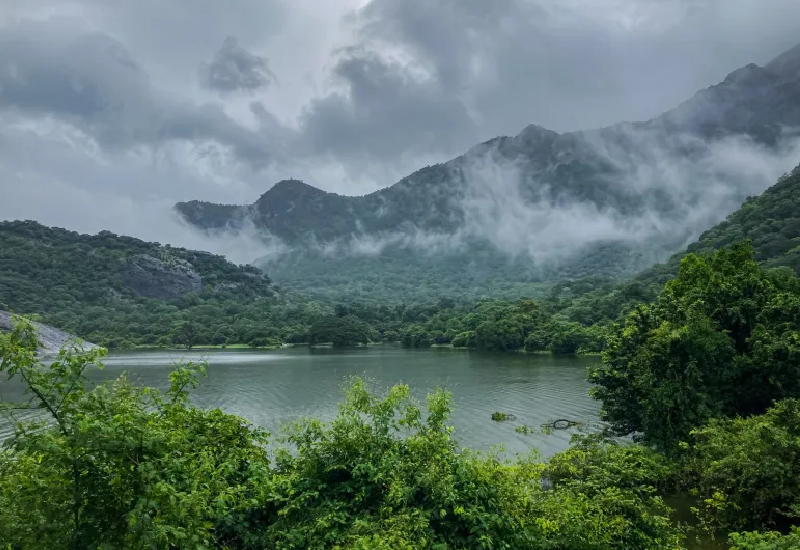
[52, 338]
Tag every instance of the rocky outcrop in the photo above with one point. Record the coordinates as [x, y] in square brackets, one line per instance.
[151, 277]
[52, 339]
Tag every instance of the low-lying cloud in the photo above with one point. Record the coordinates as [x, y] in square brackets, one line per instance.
[703, 191]
[676, 198]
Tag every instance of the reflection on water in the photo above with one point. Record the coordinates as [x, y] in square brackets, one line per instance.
[270, 388]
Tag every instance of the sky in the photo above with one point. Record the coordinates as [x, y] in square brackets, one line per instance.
[112, 110]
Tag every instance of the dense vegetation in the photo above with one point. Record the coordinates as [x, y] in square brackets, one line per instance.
[405, 273]
[121, 292]
[118, 291]
[709, 375]
[707, 379]
[720, 340]
[129, 467]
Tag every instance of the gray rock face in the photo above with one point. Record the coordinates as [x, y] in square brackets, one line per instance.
[154, 278]
[52, 339]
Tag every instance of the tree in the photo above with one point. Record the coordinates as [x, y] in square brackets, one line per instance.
[465, 339]
[719, 341]
[122, 467]
[340, 331]
[415, 336]
[746, 471]
[186, 335]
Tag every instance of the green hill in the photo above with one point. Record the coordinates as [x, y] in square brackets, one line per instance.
[118, 290]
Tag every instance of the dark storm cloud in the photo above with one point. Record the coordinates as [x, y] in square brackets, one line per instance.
[417, 104]
[387, 112]
[475, 69]
[234, 68]
[417, 81]
[92, 82]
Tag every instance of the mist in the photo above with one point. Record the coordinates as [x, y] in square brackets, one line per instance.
[502, 203]
[498, 207]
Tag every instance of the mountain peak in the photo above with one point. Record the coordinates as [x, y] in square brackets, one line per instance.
[744, 74]
[291, 188]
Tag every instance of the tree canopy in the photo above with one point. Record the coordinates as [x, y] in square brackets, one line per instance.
[721, 340]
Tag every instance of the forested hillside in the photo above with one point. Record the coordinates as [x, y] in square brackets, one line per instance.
[771, 221]
[122, 292]
[109, 288]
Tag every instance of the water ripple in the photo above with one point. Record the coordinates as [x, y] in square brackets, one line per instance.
[271, 388]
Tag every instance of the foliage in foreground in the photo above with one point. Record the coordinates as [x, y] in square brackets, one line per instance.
[723, 339]
[746, 471]
[128, 467]
[771, 540]
[120, 466]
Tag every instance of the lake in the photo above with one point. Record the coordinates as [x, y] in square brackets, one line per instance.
[272, 387]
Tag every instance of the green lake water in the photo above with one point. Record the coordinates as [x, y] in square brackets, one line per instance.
[272, 387]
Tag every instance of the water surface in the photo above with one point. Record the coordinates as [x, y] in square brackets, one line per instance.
[272, 387]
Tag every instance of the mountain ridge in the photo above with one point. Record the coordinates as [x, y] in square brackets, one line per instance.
[785, 65]
[636, 180]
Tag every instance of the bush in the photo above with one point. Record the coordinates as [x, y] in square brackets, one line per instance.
[765, 541]
[465, 340]
[746, 471]
[415, 337]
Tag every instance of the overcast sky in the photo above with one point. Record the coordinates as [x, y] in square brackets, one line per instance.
[109, 105]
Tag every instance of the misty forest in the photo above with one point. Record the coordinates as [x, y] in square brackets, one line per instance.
[554, 340]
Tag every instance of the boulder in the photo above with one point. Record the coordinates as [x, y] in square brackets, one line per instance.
[52, 339]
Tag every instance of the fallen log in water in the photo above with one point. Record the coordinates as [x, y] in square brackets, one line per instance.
[561, 424]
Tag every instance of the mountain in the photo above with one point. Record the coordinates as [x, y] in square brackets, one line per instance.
[102, 287]
[540, 200]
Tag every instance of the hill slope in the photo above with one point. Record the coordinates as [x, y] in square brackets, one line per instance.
[103, 286]
[771, 221]
[640, 190]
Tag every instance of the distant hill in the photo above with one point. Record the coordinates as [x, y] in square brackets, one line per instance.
[96, 286]
[638, 191]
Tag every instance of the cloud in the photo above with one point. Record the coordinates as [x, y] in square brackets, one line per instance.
[388, 111]
[234, 68]
[90, 81]
[103, 99]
